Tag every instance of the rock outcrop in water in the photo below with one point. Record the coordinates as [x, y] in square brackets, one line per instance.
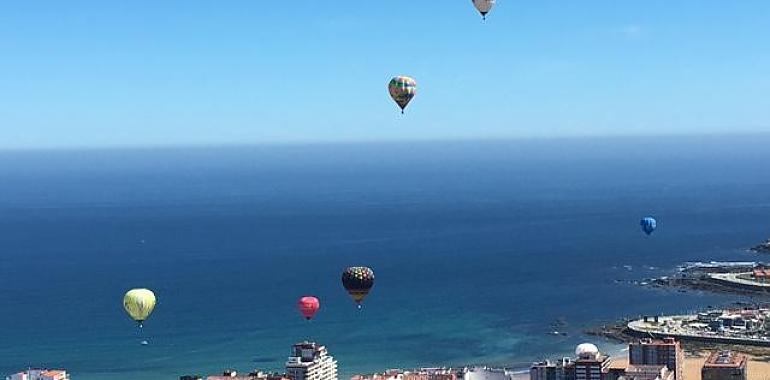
[762, 248]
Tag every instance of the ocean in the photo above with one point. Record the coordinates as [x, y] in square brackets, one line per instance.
[481, 249]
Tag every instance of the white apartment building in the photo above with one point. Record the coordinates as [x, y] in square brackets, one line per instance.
[311, 361]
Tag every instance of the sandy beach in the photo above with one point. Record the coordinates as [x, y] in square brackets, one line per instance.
[758, 368]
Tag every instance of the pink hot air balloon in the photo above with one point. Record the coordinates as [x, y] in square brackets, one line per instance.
[308, 306]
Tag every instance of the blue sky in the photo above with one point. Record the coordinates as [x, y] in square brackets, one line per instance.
[115, 73]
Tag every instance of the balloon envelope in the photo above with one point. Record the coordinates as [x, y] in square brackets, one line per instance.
[648, 224]
[402, 89]
[139, 304]
[308, 307]
[358, 281]
[483, 6]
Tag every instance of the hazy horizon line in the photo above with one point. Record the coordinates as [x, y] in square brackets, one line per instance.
[450, 140]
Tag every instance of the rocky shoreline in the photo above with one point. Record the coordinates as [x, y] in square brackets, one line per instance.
[696, 281]
[684, 284]
[761, 248]
[619, 333]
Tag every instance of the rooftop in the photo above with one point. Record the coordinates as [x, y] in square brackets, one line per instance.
[725, 358]
[658, 342]
[58, 374]
[618, 364]
[254, 375]
[761, 273]
[308, 345]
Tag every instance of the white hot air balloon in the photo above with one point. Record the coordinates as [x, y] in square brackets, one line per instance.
[483, 6]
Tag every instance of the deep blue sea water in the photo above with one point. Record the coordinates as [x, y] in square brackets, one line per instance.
[478, 248]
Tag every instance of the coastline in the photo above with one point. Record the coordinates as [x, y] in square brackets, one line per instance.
[434, 321]
[620, 333]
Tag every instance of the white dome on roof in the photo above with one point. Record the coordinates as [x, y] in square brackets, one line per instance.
[586, 350]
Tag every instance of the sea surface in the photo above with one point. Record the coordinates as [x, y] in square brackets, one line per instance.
[481, 249]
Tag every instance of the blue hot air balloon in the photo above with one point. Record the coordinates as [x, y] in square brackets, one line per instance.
[648, 224]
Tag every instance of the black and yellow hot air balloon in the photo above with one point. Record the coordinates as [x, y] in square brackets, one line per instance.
[358, 281]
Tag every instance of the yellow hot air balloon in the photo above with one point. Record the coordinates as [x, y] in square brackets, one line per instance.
[139, 304]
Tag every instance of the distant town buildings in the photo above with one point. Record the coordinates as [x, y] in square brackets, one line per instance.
[550, 370]
[724, 365]
[233, 375]
[739, 326]
[473, 373]
[761, 274]
[308, 361]
[656, 352]
[420, 374]
[647, 372]
[648, 360]
[311, 361]
[431, 374]
[545, 370]
[590, 363]
[40, 374]
[485, 373]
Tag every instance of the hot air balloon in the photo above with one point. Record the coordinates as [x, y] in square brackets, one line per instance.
[358, 281]
[483, 6]
[402, 89]
[648, 224]
[139, 304]
[308, 306]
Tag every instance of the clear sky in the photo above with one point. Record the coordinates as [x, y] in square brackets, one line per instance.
[111, 73]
